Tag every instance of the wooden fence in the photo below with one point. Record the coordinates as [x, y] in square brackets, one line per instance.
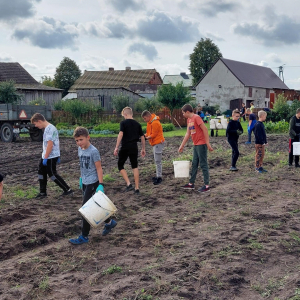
[93, 117]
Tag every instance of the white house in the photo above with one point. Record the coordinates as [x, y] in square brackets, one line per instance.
[230, 83]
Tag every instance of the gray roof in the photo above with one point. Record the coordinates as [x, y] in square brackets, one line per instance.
[252, 75]
[187, 79]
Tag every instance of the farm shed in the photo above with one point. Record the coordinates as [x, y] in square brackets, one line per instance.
[230, 83]
[186, 79]
[27, 86]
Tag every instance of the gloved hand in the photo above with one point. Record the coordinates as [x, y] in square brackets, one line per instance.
[45, 161]
[58, 160]
[239, 132]
[100, 188]
[80, 183]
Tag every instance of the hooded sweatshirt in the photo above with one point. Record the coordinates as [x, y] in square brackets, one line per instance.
[155, 130]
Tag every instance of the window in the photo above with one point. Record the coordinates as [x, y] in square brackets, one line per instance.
[267, 93]
[250, 92]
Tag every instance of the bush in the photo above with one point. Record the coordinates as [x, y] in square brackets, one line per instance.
[62, 126]
[38, 101]
[8, 92]
[211, 109]
[139, 105]
[277, 127]
[113, 127]
[119, 102]
[281, 108]
[59, 105]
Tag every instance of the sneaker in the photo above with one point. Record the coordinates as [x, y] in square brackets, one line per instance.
[137, 192]
[189, 186]
[41, 195]
[80, 240]
[233, 169]
[248, 143]
[157, 181]
[259, 170]
[67, 193]
[264, 170]
[290, 165]
[297, 166]
[108, 227]
[204, 189]
[154, 179]
[129, 188]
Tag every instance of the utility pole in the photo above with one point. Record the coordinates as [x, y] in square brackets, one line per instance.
[281, 73]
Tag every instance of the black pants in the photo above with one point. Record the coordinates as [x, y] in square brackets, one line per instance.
[235, 151]
[88, 191]
[50, 170]
[132, 153]
[291, 156]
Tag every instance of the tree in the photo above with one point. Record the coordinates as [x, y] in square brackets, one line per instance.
[119, 102]
[48, 81]
[204, 56]
[173, 96]
[8, 92]
[66, 74]
[281, 107]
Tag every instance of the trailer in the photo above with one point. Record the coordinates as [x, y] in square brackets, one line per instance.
[13, 118]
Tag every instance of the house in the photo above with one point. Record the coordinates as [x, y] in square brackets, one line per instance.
[230, 83]
[27, 86]
[101, 86]
[186, 79]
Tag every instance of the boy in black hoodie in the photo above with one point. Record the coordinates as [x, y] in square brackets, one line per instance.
[260, 141]
[233, 131]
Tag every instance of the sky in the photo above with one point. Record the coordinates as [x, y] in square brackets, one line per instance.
[98, 34]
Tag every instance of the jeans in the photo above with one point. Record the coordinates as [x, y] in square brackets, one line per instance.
[235, 151]
[200, 156]
[157, 152]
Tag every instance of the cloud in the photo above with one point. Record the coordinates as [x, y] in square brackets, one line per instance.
[4, 57]
[214, 7]
[29, 65]
[214, 37]
[159, 27]
[274, 58]
[47, 33]
[94, 63]
[147, 50]
[123, 5]
[275, 29]
[13, 9]
[262, 63]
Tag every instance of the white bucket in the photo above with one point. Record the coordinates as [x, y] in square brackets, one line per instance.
[224, 123]
[181, 168]
[97, 209]
[296, 148]
[212, 123]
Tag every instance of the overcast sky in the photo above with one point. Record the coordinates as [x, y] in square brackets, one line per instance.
[99, 34]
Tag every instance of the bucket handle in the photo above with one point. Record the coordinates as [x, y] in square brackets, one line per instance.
[103, 207]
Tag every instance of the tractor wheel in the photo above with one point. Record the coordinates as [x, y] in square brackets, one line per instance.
[7, 133]
[36, 134]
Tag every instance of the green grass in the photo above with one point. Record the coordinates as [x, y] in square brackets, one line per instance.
[112, 269]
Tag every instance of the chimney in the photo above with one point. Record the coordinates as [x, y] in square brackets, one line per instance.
[128, 68]
[111, 69]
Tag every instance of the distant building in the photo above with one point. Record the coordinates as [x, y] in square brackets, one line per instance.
[186, 79]
[27, 86]
[230, 83]
[101, 86]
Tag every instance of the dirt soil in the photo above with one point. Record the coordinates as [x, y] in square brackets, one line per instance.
[239, 241]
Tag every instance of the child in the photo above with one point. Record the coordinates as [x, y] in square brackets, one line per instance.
[1, 186]
[294, 137]
[260, 141]
[129, 135]
[50, 157]
[233, 131]
[251, 124]
[156, 139]
[243, 111]
[197, 129]
[91, 180]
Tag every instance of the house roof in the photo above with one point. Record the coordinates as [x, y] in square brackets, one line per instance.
[252, 75]
[187, 79]
[111, 79]
[23, 80]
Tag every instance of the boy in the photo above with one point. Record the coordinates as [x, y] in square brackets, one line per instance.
[129, 135]
[154, 135]
[91, 180]
[197, 129]
[233, 131]
[50, 157]
[260, 141]
[1, 186]
[294, 137]
[243, 111]
[251, 124]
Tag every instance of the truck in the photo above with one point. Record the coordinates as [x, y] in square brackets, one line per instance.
[13, 118]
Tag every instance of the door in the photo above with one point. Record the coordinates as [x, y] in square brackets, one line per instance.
[272, 100]
[236, 104]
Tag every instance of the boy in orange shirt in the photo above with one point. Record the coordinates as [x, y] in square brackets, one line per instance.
[156, 139]
[197, 129]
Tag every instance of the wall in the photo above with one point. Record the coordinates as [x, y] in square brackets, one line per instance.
[258, 97]
[156, 79]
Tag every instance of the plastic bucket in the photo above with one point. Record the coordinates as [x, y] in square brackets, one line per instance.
[296, 148]
[97, 209]
[212, 124]
[224, 123]
[181, 168]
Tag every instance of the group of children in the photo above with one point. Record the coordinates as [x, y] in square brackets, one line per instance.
[91, 179]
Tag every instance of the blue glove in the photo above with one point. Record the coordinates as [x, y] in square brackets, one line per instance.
[100, 188]
[45, 161]
[58, 160]
[80, 183]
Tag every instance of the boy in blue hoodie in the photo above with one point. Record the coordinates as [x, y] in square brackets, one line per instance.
[251, 125]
